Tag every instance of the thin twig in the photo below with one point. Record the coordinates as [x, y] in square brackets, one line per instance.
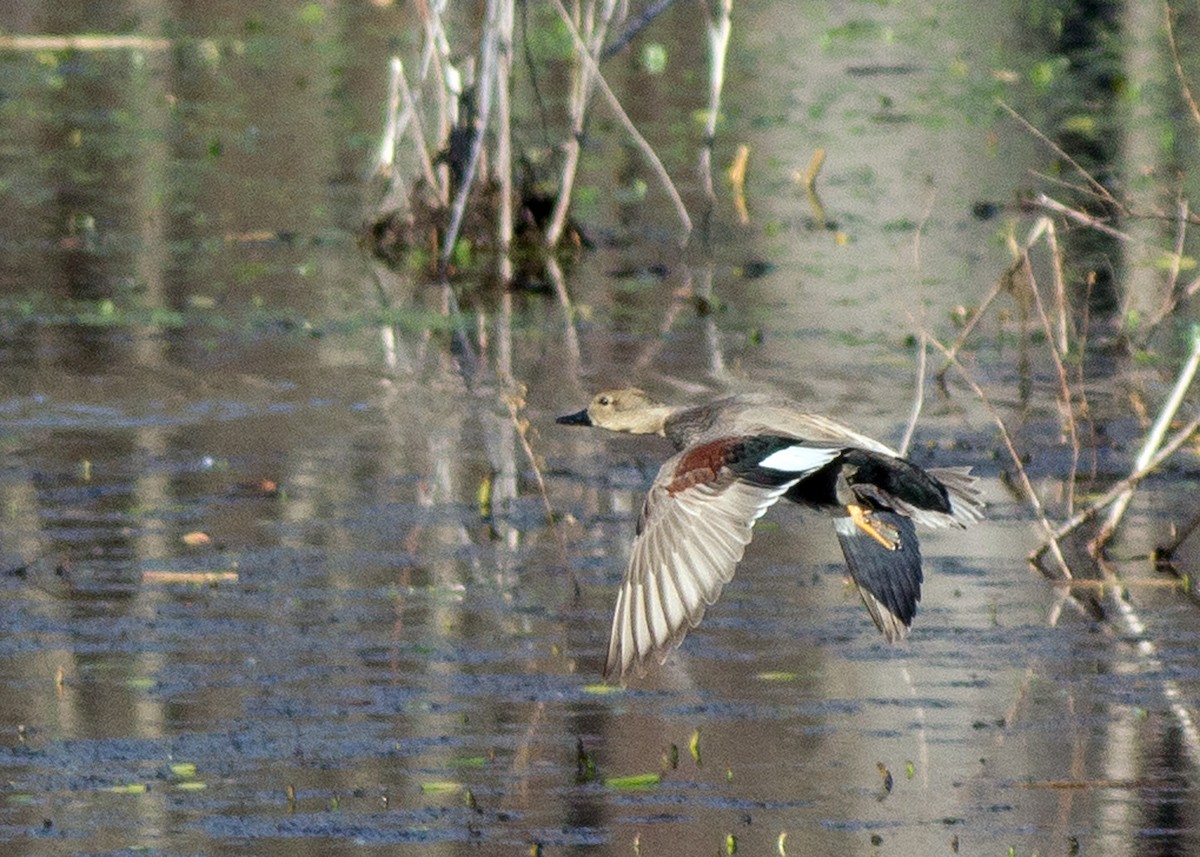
[1153, 442]
[1096, 186]
[514, 402]
[1172, 299]
[1030, 493]
[918, 396]
[1080, 518]
[410, 109]
[647, 151]
[640, 23]
[582, 84]
[1080, 217]
[1184, 89]
[1063, 383]
[1060, 288]
[956, 346]
[484, 90]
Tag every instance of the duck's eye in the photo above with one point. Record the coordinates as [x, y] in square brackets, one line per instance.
[604, 401]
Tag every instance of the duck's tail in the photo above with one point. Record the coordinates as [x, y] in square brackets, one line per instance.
[966, 500]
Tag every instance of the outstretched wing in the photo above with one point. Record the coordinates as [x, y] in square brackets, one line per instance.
[694, 527]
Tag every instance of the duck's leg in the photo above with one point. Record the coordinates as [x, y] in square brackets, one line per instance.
[885, 534]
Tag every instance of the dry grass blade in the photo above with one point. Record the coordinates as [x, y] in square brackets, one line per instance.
[1022, 475]
[1153, 442]
[646, 149]
[1080, 217]
[1170, 448]
[1099, 189]
[1184, 89]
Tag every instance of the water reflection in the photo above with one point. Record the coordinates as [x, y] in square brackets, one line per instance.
[408, 654]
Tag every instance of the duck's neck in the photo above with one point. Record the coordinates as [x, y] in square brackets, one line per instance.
[653, 420]
[682, 426]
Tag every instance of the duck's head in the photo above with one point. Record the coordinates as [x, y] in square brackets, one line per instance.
[625, 410]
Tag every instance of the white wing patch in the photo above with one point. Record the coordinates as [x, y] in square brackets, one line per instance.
[799, 459]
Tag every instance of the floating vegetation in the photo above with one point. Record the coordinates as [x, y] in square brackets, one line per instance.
[468, 762]
[694, 746]
[634, 781]
[778, 675]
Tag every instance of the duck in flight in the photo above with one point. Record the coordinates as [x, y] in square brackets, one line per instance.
[738, 455]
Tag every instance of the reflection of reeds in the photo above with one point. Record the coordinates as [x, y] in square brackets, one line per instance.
[458, 120]
[1065, 339]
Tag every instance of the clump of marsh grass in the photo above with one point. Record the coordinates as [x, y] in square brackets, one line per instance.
[456, 181]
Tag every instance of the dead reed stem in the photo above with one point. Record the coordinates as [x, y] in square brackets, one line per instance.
[719, 28]
[1170, 448]
[583, 81]
[918, 395]
[614, 103]
[412, 112]
[504, 50]
[1172, 298]
[484, 92]
[1030, 493]
[1067, 405]
[391, 126]
[1153, 442]
[1080, 217]
[951, 353]
[1184, 89]
[1097, 188]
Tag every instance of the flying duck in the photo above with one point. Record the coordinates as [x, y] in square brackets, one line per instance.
[738, 455]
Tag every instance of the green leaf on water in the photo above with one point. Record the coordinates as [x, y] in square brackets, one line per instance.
[634, 781]
[601, 689]
[777, 675]
[654, 58]
[183, 770]
[312, 14]
[694, 746]
[440, 787]
[468, 762]
[128, 789]
[191, 786]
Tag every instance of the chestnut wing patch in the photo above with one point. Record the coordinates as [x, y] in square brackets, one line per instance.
[766, 460]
